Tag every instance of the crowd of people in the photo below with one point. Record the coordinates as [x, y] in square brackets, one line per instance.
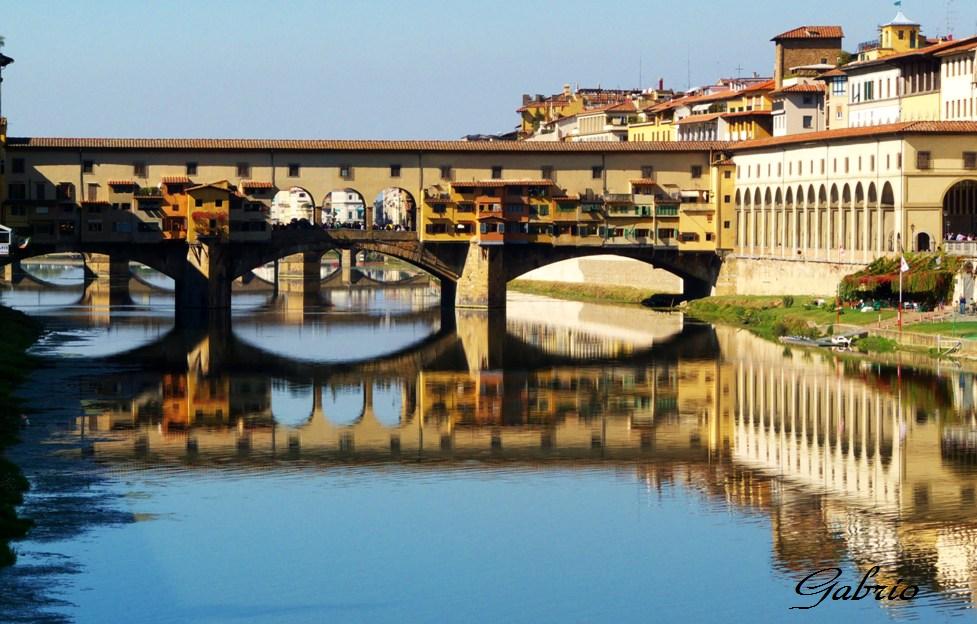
[305, 224]
[960, 237]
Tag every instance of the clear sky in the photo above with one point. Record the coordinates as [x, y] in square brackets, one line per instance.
[371, 69]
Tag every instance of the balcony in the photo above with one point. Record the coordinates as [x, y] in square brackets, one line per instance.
[148, 192]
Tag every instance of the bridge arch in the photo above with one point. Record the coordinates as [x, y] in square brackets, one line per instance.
[395, 208]
[294, 204]
[344, 208]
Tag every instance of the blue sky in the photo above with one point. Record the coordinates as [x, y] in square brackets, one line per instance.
[371, 69]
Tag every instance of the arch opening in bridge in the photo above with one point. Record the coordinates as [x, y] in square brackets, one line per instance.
[960, 209]
[56, 270]
[343, 406]
[606, 269]
[294, 205]
[344, 208]
[151, 277]
[394, 208]
[291, 403]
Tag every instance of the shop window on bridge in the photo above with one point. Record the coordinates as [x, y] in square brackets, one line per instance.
[18, 211]
[689, 237]
[293, 170]
[139, 169]
[465, 228]
[87, 166]
[666, 233]
[923, 160]
[546, 172]
[17, 165]
[497, 172]
[94, 226]
[696, 171]
[436, 228]
[191, 168]
[641, 233]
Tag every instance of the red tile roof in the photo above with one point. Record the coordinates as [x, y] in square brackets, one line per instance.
[832, 73]
[256, 184]
[176, 180]
[906, 127]
[760, 86]
[812, 32]
[800, 88]
[16, 143]
[121, 183]
[642, 182]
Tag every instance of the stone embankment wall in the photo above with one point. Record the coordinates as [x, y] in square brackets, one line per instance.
[772, 276]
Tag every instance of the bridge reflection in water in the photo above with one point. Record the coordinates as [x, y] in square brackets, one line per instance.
[849, 460]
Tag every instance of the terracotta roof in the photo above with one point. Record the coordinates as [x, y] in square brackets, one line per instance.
[832, 73]
[498, 183]
[699, 118]
[812, 32]
[642, 182]
[800, 88]
[760, 86]
[751, 113]
[176, 180]
[256, 184]
[906, 127]
[15, 143]
[618, 107]
[121, 183]
[95, 202]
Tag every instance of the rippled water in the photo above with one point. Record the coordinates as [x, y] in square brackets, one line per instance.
[373, 460]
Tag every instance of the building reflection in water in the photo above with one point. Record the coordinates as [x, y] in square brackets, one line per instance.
[850, 461]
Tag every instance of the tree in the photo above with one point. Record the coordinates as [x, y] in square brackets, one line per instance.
[1, 41]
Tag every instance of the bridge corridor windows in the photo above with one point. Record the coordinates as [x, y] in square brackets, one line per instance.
[293, 206]
[394, 208]
[344, 208]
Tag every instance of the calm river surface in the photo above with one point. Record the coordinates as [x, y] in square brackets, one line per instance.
[371, 461]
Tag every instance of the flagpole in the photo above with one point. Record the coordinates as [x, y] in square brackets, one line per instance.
[900, 298]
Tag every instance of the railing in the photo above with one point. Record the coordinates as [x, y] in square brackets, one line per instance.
[872, 44]
[961, 248]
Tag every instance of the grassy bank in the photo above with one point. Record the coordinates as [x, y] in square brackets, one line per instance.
[19, 332]
[964, 329]
[582, 292]
[772, 317]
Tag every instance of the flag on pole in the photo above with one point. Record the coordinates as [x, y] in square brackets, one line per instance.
[25, 243]
[904, 267]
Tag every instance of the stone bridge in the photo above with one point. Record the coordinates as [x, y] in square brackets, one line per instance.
[472, 275]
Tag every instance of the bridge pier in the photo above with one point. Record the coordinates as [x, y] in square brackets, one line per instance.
[11, 272]
[483, 280]
[347, 260]
[203, 282]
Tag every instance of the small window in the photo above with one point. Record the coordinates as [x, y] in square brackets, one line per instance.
[191, 168]
[293, 170]
[394, 171]
[696, 171]
[970, 160]
[597, 172]
[648, 172]
[219, 203]
[346, 172]
[871, 163]
[726, 225]
[40, 190]
[445, 172]
[546, 172]
[727, 174]
[87, 166]
[17, 165]
[497, 172]
[923, 160]
[139, 169]
[243, 170]
[808, 122]
[899, 160]
[726, 199]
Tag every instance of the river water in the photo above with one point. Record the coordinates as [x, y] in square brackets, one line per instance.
[374, 461]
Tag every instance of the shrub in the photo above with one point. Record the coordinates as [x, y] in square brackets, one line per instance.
[788, 301]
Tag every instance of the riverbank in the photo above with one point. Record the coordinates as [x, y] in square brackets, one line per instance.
[773, 317]
[596, 293]
[18, 334]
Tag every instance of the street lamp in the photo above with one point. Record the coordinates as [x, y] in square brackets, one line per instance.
[4, 61]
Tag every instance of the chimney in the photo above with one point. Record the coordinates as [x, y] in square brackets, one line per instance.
[526, 99]
[756, 75]
[566, 89]
[661, 84]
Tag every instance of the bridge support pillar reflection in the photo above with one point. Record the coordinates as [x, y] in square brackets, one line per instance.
[107, 278]
[482, 334]
[482, 282]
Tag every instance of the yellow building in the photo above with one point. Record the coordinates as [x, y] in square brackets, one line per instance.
[208, 208]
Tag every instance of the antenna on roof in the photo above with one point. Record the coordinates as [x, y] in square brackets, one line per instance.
[640, 81]
[949, 17]
[688, 67]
